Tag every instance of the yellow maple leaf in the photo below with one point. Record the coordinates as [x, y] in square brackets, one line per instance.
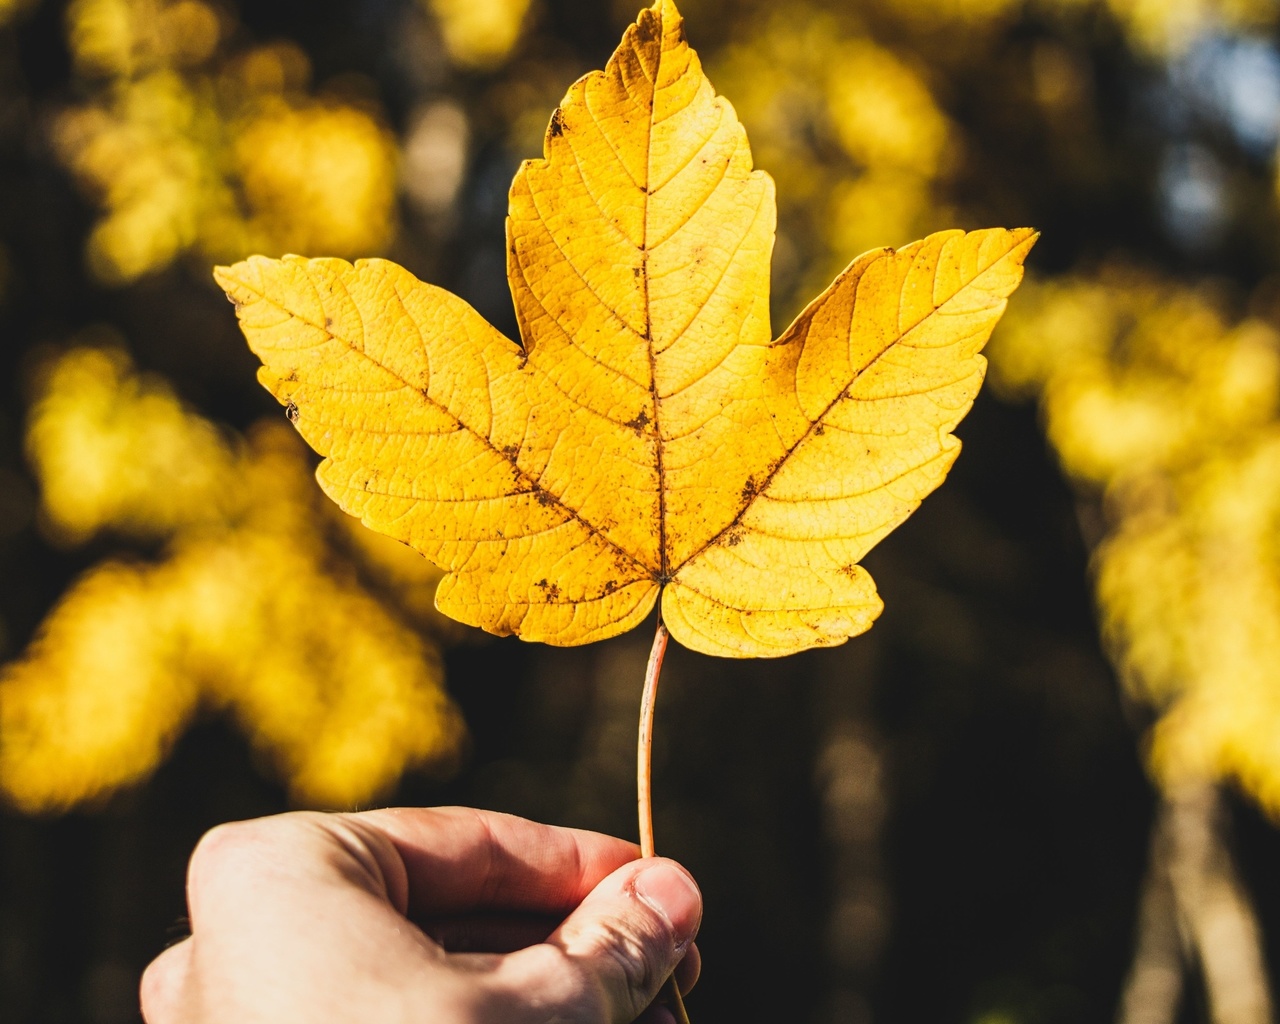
[648, 437]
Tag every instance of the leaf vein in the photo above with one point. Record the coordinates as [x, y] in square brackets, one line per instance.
[581, 277]
[617, 154]
[564, 509]
[799, 443]
[693, 154]
[724, 272]
[579, 348]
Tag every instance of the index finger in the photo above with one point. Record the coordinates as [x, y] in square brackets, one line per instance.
[459, 860]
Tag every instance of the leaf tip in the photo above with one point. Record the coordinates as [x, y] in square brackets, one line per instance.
[664, 13]
[1025, 238]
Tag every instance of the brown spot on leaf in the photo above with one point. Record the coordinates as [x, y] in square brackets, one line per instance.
[291, 410]
[638, 422]
[849, 571]
[542, 497]
[557, 124]
[733, 538]
[551, 590]
[819, 430]
[749, 489]
[328, 322]
[511, 451]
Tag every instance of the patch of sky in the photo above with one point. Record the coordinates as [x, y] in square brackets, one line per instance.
[1235, 81]
[1193, 197]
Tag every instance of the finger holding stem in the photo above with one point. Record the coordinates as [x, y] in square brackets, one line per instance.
[644, 781]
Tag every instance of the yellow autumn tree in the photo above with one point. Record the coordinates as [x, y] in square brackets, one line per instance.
[260, 602]
[1155, 397]
[1154, 28]
[1166, 409]
[193, 146]
[10, 9]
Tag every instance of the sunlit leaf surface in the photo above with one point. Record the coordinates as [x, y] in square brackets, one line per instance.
[648, 438]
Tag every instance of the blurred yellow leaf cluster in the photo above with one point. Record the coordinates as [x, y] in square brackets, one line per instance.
[848, 128]
[190, 146]
[1151, 393]
[10, 9]
[115, 449]
[1154, 28]
[261, 601]
[479, 33]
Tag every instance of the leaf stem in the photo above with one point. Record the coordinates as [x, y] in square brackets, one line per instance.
[644, 750]
[644, 782]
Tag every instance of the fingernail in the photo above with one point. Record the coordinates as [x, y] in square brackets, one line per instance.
[673, 894]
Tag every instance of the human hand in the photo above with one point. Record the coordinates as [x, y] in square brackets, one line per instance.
[431, 916]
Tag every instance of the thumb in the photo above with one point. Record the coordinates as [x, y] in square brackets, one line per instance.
[612, 955]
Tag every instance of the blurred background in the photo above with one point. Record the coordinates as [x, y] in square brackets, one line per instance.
[1041, 790]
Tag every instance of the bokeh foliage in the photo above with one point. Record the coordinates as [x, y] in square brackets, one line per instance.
[194, 145]
[955, 796]
[253, 602]
[1169, 409]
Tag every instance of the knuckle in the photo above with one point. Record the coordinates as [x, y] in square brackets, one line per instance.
[635, 963]
[226, 849]
[151, 992]
[159, 989]
[634, 960]
[548, 978]
[371, 856]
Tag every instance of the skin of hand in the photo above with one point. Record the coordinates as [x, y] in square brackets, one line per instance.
[429, 916]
